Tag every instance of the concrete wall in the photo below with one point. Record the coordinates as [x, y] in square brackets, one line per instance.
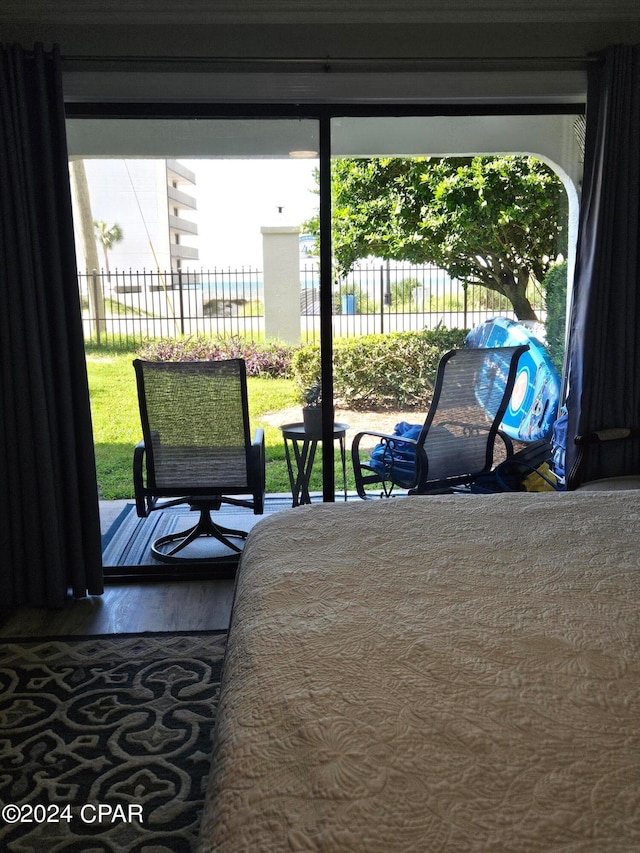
[281, 255]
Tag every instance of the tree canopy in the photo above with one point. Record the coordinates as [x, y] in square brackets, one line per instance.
[494, 221]
[107, 236]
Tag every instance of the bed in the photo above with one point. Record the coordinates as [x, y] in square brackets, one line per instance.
[450, 673]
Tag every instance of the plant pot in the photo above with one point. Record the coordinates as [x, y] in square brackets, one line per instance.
[312, 418]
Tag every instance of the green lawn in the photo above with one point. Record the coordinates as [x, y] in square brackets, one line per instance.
[116, 423]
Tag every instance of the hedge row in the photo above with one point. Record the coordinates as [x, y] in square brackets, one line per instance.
[380, 371]
[374, 371]
[271, 359]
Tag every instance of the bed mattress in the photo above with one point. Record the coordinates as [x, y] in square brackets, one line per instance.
[450, 673]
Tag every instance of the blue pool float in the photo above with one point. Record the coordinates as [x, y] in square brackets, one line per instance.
[533, 407]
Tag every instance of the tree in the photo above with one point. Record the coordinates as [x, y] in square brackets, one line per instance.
[108, 236]
[80, 190]
[556, 304]
[494, 221]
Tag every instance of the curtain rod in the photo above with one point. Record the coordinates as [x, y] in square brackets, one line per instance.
[333, 64]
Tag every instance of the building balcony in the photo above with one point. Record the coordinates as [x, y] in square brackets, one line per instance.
[178, 172]
[181, 200]
[182, 226]
[184, 252]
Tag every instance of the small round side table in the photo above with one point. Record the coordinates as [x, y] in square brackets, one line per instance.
[300, 462]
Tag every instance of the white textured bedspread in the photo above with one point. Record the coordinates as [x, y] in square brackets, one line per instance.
[457, 673]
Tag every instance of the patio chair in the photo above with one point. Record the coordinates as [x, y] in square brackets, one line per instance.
[456, 442]
[196, 448]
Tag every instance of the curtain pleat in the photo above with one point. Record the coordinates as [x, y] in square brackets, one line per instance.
[50, 533]
[604, 339]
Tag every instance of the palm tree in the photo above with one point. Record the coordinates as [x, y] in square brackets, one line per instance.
[108, 236]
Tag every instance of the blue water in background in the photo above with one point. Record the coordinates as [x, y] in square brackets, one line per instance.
[246, 284]
[242, 288]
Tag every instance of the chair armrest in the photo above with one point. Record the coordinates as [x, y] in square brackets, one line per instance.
[360, 466]
[357, 438]
[138, 480]
[258, 453]
[601, 436]
[257, 473]
[355, 444]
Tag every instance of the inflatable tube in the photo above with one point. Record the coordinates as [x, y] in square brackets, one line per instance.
[534, 402]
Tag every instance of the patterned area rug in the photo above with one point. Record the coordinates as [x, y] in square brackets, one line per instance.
[105, 742]
[128, 541]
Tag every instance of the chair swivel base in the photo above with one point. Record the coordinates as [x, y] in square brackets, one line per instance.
[175, 542]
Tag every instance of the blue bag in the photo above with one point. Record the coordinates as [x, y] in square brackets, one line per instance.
[399, 461]
[559, 446]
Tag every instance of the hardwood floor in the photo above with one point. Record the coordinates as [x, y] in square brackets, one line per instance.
[203, 605]
[131, 608]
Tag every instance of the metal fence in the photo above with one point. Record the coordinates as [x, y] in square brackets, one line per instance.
[126, 308]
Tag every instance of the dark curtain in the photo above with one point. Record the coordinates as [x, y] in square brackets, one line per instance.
[604, 342]
[50, 529]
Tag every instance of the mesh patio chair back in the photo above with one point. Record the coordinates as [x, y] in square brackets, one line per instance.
[196, 443]
[195, 422]
[460, 429]
[456, 442]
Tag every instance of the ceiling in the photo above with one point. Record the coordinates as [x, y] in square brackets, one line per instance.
[321, 28]
[331, 51]
[252, 12]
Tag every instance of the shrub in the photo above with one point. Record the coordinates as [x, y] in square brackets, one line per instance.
[269, 359]
[402, 294]
[385, 370]
[380, 371]
[555, 285]
[305, 368]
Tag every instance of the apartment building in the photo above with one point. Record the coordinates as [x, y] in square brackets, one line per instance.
[154, 203]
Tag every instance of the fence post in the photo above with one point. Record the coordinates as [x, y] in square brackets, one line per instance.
[381, 300]
[465, 304]
[96, 301]
[181, 301]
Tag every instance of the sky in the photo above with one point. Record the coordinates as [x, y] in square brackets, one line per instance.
[237, 197]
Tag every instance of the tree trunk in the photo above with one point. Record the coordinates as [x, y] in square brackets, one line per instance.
[522, 306]
[80, 190]
[515, 289]
[106, 262]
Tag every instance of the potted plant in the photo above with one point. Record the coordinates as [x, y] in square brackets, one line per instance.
[312, 409]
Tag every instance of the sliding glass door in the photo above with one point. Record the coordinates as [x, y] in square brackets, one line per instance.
[219, 222]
